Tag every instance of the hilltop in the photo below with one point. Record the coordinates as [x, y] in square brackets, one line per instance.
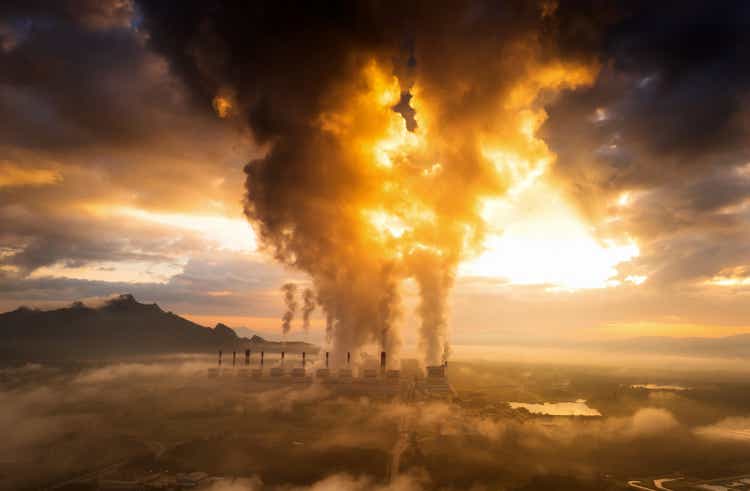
[122, 326]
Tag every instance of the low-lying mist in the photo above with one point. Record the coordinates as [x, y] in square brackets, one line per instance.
[166, 415]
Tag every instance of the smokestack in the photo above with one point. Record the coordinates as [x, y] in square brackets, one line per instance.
[219, 357]
[262, 353]
[348, 357]
[326, 359]
[247, 357]
[303, 359]
[382, 361]
[282, 357]
[234, 358]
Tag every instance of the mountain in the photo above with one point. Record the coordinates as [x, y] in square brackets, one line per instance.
[121, 327]
[244, 332]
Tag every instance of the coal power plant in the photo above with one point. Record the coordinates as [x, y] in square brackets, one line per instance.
[371, 375]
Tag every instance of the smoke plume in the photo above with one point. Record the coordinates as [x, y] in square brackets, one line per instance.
[290, 291]
[308, 299]
[388, 127]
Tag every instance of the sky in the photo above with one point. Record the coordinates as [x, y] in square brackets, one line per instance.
[455, 172]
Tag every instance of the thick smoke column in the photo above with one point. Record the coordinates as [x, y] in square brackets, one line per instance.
[289, 290]
[308, 299]
[387, 128]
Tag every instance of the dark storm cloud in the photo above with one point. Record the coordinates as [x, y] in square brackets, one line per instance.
[80, 94]
[90, 121]
[668, 118]
[674, 89]
[68, 85]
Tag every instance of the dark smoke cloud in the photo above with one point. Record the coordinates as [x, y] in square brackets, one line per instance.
[309, 82]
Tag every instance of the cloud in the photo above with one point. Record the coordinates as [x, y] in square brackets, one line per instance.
[100, 113]
[666, 122]
[335, 482]
[347, 482]
[249, 284]
[92, 122]
[735, 429]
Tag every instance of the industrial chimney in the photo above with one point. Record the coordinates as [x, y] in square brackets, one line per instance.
[282, 357]
[247, 357]
[326, 359]
[303, 359]
[219, 357]
[234, 358]
[348, 357]
[261, 358]
[382, 361]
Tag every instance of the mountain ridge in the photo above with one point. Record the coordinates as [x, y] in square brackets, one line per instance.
[121, 326]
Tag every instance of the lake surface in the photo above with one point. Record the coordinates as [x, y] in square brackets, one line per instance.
[577, 408]
[658, 387]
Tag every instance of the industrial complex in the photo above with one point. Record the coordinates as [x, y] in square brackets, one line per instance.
[369, 375]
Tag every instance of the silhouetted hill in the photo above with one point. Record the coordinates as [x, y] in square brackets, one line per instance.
[120, 327]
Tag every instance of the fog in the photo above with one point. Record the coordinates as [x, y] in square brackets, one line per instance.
[119, 421]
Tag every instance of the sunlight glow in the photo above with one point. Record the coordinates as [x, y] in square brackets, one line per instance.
[233, 234]
[725, 281]
[222, 106]
[12, 175]
[385, 223]
[734, 276]
[624, 199]
[145, 271]
[544, 242]
[568, 262]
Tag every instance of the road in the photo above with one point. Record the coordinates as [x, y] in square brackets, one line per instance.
[405, 427]
[659, 483]
[637, 485]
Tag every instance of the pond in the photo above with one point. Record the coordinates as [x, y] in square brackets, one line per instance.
[577, 408]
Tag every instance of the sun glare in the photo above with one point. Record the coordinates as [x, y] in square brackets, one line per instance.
[544, 242]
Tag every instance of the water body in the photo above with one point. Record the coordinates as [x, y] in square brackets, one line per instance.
[577, 408]
[658, 387]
